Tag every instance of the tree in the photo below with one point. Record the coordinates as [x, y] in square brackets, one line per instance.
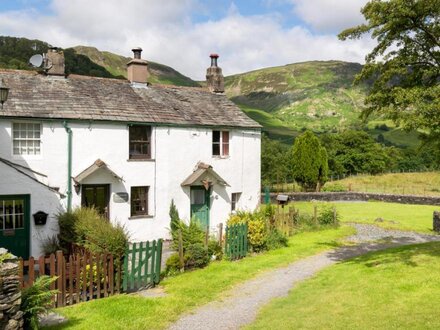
[310, 167]
[274, 161]
[405, 64]
[174, 217]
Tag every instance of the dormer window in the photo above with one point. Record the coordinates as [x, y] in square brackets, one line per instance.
[220, 143]
[140, 142]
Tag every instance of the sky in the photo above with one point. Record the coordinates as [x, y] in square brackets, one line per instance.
[247, 34]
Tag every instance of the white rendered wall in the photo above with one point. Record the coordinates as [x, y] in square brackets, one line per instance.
[175, 153]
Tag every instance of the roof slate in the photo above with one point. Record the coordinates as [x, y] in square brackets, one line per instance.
[33, 95]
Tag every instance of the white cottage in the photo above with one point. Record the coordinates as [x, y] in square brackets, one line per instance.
[126, 147]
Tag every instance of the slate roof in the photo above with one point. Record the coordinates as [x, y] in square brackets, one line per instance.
[33, 95]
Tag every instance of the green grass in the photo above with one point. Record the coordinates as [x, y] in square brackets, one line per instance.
[395, 216]
[192, 289]
[392, 289]
[423, 184]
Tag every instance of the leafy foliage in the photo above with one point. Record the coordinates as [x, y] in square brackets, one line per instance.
[174, 217]
[310, 166]
[275, 161]
[86, 227]
[334, 187]
[50, 244]
[328, 216]
[36, 300]
[405, 63]
[276, 239]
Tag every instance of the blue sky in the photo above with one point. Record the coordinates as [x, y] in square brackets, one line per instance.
[181, 33]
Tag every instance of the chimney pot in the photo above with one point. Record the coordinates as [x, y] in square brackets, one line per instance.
[137, 52]
[214, 76]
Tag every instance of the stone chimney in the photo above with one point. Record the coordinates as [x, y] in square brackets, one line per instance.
[137, 68]
[214, 76]
[54, 62]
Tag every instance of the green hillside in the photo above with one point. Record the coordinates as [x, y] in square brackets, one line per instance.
[15, 53]
[316, 95]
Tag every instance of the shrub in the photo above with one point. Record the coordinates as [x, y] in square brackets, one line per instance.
[172, 265]
[257, 233]
[174, 217]
[67, 234]
[334, 187]
[196, 256]
[86, 227]
[215, 249]
[276, 240]
[50, 244]
[192, 233]
[328, 215]
[36, 300]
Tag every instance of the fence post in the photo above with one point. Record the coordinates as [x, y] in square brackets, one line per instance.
[59, 261]
[315, 214]
[181, 261]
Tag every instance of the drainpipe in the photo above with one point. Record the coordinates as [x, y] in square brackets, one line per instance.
[69, 165]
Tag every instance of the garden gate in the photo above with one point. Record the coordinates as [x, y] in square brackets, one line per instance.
[236, 241]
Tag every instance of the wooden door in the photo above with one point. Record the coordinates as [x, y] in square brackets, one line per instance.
[97, 196]
[200, 205]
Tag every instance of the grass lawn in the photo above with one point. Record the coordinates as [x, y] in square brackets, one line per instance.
[392, 289]
[192, 289]
[396, 216]
[424, 184]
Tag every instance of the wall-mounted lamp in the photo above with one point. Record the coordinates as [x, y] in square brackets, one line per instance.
[4, 91]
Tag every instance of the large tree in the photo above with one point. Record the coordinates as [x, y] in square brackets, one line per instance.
[309, 159]
[404, 67]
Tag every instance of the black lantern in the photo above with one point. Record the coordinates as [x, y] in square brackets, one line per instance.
[40, 218]
[4, 91]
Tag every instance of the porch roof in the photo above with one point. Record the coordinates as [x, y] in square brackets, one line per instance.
[202, 170]
[98, 164]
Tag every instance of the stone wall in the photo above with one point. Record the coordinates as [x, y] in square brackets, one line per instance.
[356, 196]
[11, 318]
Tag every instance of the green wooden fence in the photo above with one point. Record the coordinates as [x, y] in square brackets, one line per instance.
[236, 241]
[142, 265]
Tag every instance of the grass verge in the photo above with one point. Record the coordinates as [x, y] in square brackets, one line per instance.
[192, 289]
[395, 216]
[392, 289]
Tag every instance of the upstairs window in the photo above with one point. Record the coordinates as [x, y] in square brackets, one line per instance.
[235, 198]
[26, 139]
[139, 201]
[220, 143]
[140, 142]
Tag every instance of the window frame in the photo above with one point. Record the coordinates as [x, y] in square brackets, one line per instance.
[148, 141]
[27, 139]
[146, 201]
[235, 201]
[223, 143]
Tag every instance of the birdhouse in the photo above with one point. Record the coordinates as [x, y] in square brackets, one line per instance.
[282, 200]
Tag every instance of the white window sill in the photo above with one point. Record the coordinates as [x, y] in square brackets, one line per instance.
[141, 160]
[220, 157]
[139, 217]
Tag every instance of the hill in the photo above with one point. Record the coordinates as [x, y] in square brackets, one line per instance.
[316, 95]
[15, 53]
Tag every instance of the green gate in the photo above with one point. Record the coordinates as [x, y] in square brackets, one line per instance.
[142, 263]
[236, 241]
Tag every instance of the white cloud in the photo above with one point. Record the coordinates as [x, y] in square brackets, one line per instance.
[166, 33]
[334, 15]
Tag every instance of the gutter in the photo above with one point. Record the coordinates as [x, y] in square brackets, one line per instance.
[69, 165]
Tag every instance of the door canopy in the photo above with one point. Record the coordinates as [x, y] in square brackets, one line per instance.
[204, 175]
[97, 165]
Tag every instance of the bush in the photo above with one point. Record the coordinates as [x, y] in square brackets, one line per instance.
[86, 227]
[192, 233]
[215, 249]
[196, 256]
[334, 187]
[50, 244]
[36, 300]
[276, 240]
[328, 215]
[172, 265]
[257, 227]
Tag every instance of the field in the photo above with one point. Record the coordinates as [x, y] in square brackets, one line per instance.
[394, 216]
[424, 184]
[392, 289]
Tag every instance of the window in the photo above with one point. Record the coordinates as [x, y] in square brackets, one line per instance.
[26, 139]
[235, 197]
[140, 142]
[139, 201]
[11, 214]
[220, 143]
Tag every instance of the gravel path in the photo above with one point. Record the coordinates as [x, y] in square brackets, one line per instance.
[241, 305]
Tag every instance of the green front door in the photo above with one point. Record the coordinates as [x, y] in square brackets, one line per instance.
[200, 205]
[14, 224]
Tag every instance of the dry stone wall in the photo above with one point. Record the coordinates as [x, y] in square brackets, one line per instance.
[11, 318]
[356, 196]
